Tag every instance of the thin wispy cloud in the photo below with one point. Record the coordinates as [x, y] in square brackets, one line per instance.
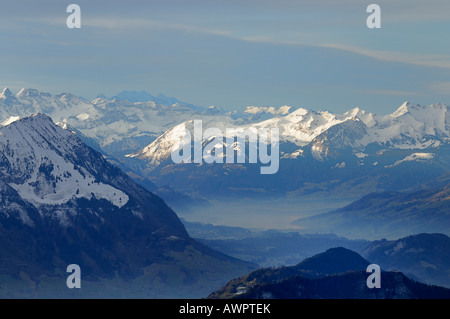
[129, 23]
[126, 24]
[121, 24]
[234, 52]
[421, 59]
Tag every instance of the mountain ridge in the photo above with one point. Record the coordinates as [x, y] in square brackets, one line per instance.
[357, 149]
[333, 155]
[62, 202]
[344, 278]
[387, 214]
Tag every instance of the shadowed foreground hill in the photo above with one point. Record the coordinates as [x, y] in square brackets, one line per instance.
[352, 285]
[338, 273]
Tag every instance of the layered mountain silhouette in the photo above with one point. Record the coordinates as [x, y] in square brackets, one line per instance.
[351, 285]
[62, 203]
[338, 273]
[343, 155]
[424, 257]
[388, 214]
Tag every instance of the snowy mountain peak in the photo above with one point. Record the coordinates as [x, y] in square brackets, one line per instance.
[213, 110]
[40, 118]
[360, 114]
[354, 112]
[402, 110]
[431, 120]
[10, 120]
[299, 112]
[283, 110]
[28, 92]
[415, 109]
[47, 165]
[6, 93]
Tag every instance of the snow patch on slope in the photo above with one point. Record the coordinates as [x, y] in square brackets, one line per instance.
[414, 157]
[283, 110]
[10, 120]
[44, 176]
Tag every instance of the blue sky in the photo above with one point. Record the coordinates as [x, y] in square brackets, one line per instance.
[313, 54]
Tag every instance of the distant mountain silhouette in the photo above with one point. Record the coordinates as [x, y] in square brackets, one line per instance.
[387, 214]
[336, 273]
[424, 257]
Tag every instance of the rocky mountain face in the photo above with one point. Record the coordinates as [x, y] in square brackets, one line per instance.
[63, 203]
[338, 273]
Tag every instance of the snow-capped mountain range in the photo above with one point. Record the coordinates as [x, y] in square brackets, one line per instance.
[411, 126]
[63, 202]
[120, 124]
[141, 130]
[136, 117]
[352, 153]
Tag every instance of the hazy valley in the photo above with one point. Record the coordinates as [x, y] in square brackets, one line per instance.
[92, 189]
